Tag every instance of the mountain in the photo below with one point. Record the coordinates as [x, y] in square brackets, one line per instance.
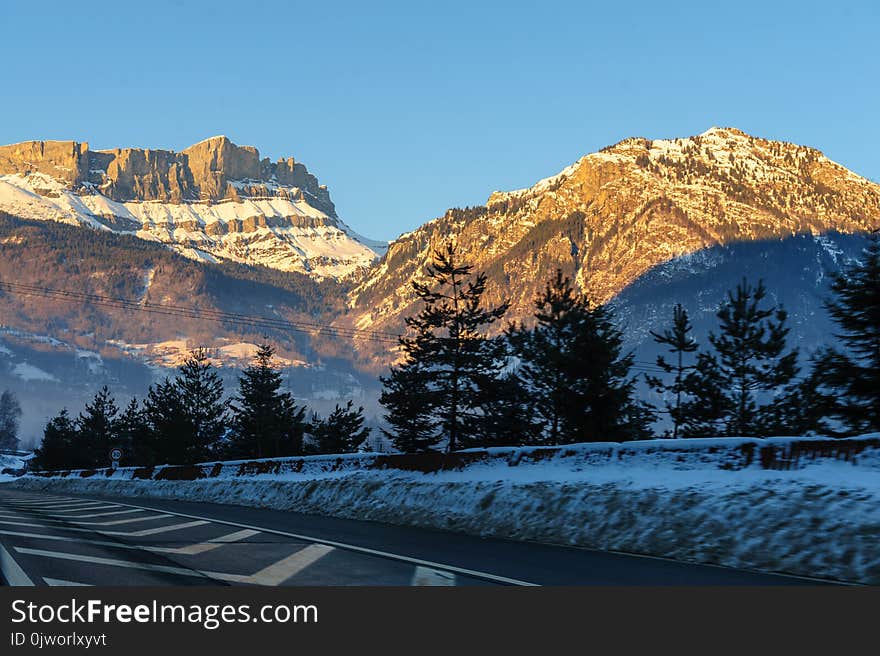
[614, 215]
[641, 224]
[213, 201]
[57, 351]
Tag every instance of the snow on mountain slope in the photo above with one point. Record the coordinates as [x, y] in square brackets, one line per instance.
[613, 215]
[274, 215]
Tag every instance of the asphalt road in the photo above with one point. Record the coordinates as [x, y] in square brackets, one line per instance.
[48, 539]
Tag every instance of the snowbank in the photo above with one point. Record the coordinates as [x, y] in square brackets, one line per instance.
[803, 506]
[11, 466]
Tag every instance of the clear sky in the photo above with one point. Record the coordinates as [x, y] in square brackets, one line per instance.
[407, 108]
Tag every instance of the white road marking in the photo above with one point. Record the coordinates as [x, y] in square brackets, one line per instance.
[188, 550]
[137, 534]
[74, 520]
[62, 582]
[66, 511]
[11, 570]
[272, 575]
[202, 547]
[331, 543]
[57, 506]
[101, 514]
[351, 547]
[165, 569]
[426, 576]
[157, 530]
[277, 573]
[116, 522]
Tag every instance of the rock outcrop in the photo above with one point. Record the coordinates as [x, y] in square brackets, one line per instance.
[63, 160]
[214, 199]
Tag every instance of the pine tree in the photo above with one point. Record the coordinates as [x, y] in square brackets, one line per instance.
[507, 418]
[186, 415]
[201, 395]
[707, 404]
[167, 424]
[409, 400]
[266, 421]
[573, 369]
[58, 449]
[341, 432]
[849, 378]
[133, 436]
[450, 348]
[679, 342]
[10, 414]
[749, 360]
[96, 427]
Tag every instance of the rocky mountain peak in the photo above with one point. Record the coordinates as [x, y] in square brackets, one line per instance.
[615, 214]
[213, 200]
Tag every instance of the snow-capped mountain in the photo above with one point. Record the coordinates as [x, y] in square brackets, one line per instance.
[614, 215]
[642, 223]
[212, 201]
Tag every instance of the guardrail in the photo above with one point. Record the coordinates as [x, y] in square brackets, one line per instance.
[780, 453]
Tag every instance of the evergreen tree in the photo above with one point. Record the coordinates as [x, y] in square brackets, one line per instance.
[507, 418]
[201, 394]
[266, 421]
[707, 404]
[341, 432]
[58, 449]
[408, 399]
[96, 427]
[679, 342]
[10, 414]
[749, 360]
[133, 436]
[851, 376]
[167, 424]
[573, 370]
[458, 361]
[186, 416]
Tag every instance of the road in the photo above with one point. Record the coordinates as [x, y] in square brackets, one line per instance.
[50, 539]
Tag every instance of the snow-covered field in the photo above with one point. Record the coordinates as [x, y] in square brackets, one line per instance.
[804, 506]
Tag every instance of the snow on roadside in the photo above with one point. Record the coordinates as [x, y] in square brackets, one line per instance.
[680, 500]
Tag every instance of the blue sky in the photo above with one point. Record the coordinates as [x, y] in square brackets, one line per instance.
[405, 110]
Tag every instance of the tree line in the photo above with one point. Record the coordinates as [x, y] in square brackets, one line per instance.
[562, 377]
[187, 419]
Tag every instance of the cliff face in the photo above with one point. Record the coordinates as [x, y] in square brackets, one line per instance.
[614, 215]
[213, 200]
[62, 160]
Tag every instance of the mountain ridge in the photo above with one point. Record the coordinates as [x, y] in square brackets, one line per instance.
[212, 200]
[615, 214]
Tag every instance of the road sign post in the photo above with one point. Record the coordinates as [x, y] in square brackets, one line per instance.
[115, 457]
